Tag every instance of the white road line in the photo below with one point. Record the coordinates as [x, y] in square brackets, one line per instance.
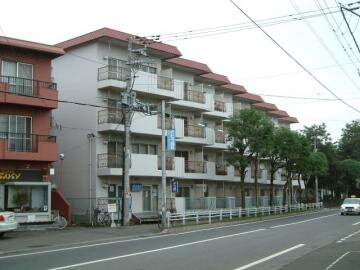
[357, 223]
[269, 257]
[348, 236]
[154, 250]
[336, 261]
[139, 238]
[303, 221]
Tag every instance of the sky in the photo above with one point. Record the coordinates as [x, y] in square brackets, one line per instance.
[246, 57]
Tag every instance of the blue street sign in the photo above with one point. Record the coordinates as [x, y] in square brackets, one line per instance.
[170, 139]
[174, 186]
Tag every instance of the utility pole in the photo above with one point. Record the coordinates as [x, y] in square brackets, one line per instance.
[163, 165]
[316, 178]
[127, 114]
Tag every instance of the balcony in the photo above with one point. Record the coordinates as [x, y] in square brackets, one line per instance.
[220, 136]
[141, 165]
[195, 131]
[194, 98]
[170, 165]
[220, 169]
[195, 167]
[110, 116]
[158, 86]
[165, 83]
[32, 147]
[113, 77]
[220, 109]
[219, 106]
[20, 91]
[169, 122]
[192, 133]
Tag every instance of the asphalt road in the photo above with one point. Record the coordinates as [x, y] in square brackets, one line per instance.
[322, 240]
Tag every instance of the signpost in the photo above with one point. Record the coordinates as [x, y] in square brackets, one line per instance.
[174, 186]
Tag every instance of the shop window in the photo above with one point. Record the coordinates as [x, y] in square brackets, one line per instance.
[22, 199]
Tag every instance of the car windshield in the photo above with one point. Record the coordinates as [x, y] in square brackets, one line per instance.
[352, 201]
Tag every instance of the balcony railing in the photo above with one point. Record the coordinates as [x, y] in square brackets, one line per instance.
[25, 87]
[168, 122]
[194, 96]
[194, 131]
[165, 83]
[220, 136]
[109, 160]
[111, 116]
[219, 106]
[113, 73]
[195, 166]
[23, 142]
[169, 163]
[220, 169]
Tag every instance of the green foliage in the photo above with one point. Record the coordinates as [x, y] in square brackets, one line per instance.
[316, 134]
[349, 144]
[349, 169]
[317, 164]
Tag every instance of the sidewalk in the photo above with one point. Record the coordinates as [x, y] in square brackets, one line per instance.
[30, 240]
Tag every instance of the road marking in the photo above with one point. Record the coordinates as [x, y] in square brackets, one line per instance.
[269, 257]
[336, 261]
[357, 223]
[346, 237]
[303, 221]
[155, 250]
[140, 238]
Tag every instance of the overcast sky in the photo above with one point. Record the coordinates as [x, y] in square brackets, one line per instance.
[246, 57]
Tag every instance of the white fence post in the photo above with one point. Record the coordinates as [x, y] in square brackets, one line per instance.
[210, 217]
[221, 214]
[230, 215]
[197, 217]
[183, 218]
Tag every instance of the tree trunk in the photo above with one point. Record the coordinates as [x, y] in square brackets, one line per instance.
[256, 165]
[271, 188]
[288, 195]
[300, 190]
[242, 172]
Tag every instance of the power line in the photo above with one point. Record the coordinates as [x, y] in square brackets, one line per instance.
[323, 44]
[294, 59]
[284, 18]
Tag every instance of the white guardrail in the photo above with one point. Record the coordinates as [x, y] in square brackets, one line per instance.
[209, 215]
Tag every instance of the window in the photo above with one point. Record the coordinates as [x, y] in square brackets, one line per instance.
[147, 149]
[148, 69]
[18, 130]
[19, 76]
[152, 149]
[22, 199]
[183, 192]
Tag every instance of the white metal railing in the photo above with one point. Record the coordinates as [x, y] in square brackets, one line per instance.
[211, 215]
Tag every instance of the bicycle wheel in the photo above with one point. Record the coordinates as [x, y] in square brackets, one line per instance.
[61, 222]
[107, 220]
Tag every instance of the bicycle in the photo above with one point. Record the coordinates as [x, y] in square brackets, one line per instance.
[101, 217]
[59, 221]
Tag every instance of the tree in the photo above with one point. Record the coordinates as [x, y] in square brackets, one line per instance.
[349, 144]
[315, 165]
[274, 156]
[316, 135]
[248, 131]
[349, 171]
[293, 151]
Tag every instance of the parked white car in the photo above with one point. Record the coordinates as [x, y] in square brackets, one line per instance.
[350, 206]
[7, 222]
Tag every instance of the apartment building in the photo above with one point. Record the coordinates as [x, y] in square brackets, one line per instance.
[27, 149]
[198, 102]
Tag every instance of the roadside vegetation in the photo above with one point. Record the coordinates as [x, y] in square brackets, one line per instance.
[304, 154]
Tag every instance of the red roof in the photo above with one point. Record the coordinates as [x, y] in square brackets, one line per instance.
[237, 88]
[216, 78]
[289, 119]
[114, 34]
[266, 106]
[197, 66]
[250, 98]
[278, 113]
[34, 46]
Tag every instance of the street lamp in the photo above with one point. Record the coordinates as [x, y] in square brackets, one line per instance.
[62, 157]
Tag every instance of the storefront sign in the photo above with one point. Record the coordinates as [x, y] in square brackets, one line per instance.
[136, 187]
[170, 139]
[112, 208]
[20, 175]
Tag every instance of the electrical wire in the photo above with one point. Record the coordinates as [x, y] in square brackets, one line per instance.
[295, 60]
[323, 44]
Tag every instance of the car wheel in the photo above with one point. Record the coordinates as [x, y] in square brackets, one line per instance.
[342, 214]
[1, 234]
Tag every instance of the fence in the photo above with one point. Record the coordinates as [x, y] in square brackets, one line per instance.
[219, 215]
